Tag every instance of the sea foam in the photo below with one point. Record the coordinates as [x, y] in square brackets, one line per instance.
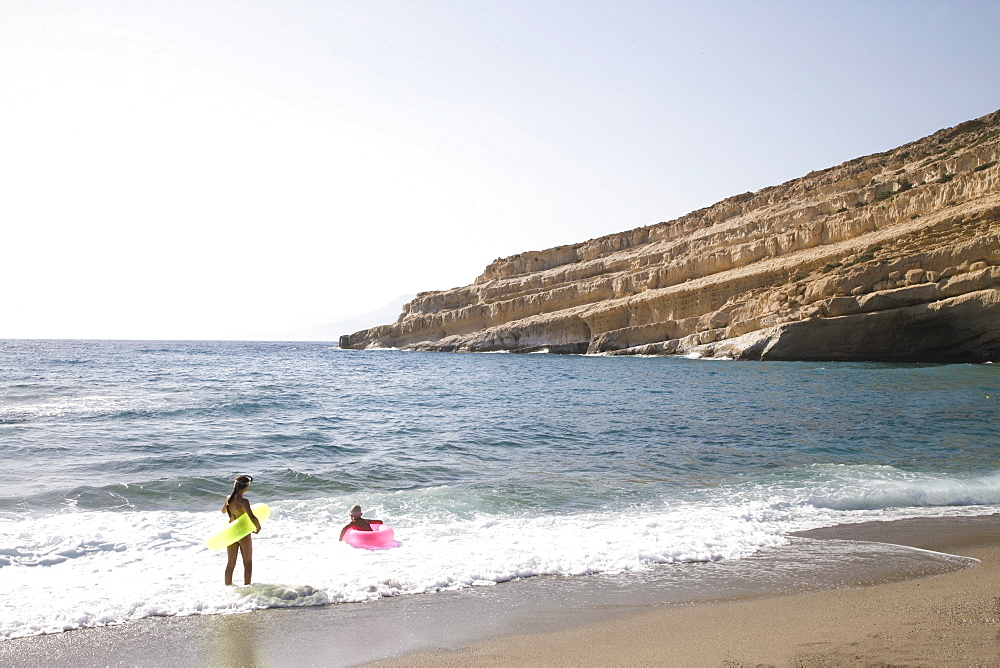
[78, 569]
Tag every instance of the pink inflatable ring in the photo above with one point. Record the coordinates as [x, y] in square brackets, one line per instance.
[380, 536]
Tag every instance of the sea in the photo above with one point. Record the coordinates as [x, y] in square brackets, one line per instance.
[675, 478]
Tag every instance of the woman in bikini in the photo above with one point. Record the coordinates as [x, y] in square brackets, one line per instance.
[236, 506]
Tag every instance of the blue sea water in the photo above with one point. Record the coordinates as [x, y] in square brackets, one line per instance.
[115, 457]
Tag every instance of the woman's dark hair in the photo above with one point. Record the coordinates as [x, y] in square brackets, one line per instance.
[241, 482]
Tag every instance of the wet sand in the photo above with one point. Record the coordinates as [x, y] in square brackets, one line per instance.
[949, 619]
[943, 620]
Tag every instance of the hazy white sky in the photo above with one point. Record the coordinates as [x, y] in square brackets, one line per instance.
[208, 169]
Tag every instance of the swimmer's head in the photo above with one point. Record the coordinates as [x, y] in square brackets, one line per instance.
[243, 480]
[356, 511]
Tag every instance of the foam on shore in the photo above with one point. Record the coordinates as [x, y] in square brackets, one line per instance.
[154, 563]
[357, 633]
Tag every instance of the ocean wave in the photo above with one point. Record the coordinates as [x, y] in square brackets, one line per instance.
[823, 495]
[449, 538]
[908, 490]
[165, 552]
[162, 406]
[78, 406]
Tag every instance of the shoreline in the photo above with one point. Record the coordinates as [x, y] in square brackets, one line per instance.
[947, 619]
[952, 619]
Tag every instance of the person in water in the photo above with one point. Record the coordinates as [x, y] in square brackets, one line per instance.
[358, 523]
[236, 506]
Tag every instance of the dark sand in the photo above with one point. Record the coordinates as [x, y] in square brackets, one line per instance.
[947, 619]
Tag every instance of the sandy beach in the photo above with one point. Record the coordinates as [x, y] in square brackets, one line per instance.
[945, 620]
[950, 619]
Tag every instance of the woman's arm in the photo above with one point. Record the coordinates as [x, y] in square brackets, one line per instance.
[253, 518]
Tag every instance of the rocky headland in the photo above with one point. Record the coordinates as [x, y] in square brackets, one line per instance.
[891, 257]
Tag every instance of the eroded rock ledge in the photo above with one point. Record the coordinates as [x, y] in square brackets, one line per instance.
[894, 256]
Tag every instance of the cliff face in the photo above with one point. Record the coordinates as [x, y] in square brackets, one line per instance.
[894, 256]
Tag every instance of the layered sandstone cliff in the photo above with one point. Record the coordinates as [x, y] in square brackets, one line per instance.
[894, 256]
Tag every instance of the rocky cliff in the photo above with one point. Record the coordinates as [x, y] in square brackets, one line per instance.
[894, 256]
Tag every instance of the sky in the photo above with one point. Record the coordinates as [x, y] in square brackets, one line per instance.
[241, 170]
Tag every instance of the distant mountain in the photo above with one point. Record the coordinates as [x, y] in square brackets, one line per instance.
[333, 330]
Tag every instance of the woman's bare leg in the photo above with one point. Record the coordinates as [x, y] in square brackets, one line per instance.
[246, 548]
[231, 553]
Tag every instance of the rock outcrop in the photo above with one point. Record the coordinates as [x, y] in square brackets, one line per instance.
[894, 256]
